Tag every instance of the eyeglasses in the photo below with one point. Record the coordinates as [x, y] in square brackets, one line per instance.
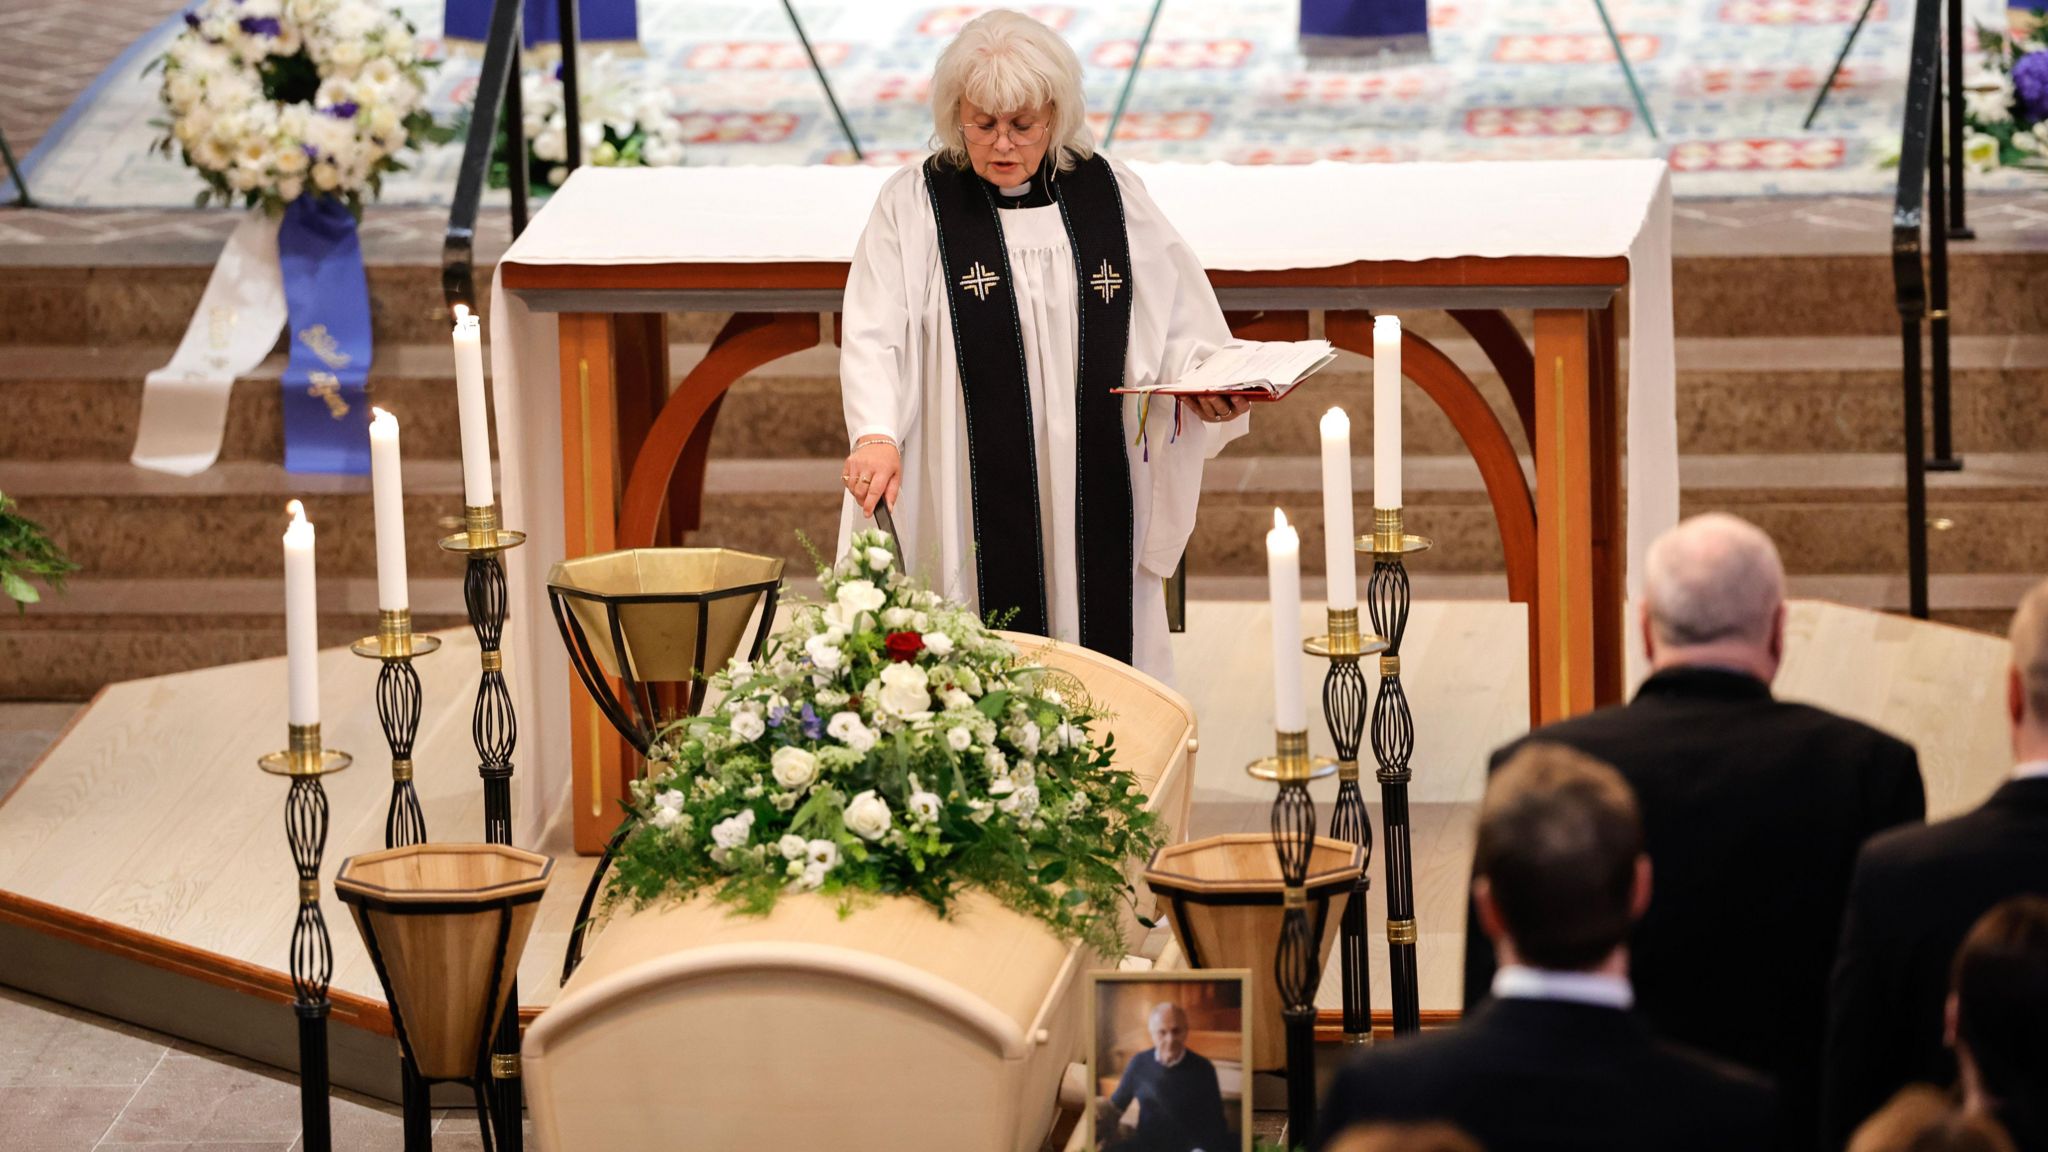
[1022, 135]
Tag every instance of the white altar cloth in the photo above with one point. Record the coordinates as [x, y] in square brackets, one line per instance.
[1235, 218]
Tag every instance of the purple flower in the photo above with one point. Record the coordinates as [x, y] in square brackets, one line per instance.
[777, 715]
[191, 19]
[261, 26]
[343, 110]
[814, 728]
[2030, 84]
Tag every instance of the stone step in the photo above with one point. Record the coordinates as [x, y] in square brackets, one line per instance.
[1752, 395]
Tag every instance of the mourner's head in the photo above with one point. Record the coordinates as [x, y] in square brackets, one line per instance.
[1714, 595]
[1922, 1119]
[1559, 875]
[2027, 687]
[1006, 95]
[1998, 1016]
[1169, 1027]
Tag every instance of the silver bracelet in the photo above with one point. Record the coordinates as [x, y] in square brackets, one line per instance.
[867, 440]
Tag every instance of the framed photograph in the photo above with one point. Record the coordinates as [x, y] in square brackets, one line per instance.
[1170, 1061]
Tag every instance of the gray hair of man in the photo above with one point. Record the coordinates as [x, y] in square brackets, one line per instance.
[1005, 62]
[1162, 1009]
[2027, 690]
[1714, 594]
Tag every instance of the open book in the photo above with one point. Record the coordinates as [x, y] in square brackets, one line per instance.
[1261, 369]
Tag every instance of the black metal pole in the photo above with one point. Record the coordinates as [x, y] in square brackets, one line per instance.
[1295, 960]
[1916, 469]
[517, 179]
[500, 67]
[571, 34]
[415, 1108]
[1393, 744]
[1123, 98]
[1956, 227]
[14, 173]
[1827, 85]
[312, 962]
[1944, 188]
[496, 731]
[1344, 709]
[818, 70]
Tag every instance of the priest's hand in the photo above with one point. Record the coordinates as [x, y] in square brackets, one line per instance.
[1217, 409]
[873, 472]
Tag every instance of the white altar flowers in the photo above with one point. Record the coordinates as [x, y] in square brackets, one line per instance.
[889, 742]
[621, 124]
[270, 100]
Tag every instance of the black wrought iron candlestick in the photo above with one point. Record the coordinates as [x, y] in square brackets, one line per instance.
[304, 762]
[398, 712]
[1344, 697]
[1297, 962]
[496, 731]
[1393, 743]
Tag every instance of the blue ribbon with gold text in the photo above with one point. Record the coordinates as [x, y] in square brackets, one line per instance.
[327, 302]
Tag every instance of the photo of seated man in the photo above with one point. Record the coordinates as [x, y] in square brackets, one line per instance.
[1169, 1066]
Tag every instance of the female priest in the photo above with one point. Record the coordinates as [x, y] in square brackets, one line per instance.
[1003, 287]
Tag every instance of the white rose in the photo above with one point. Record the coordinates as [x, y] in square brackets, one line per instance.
[747, 726]
[959, 739]
[792, 847]
[823, 853]
[938, 644]
[661, 153]
[665, 818]
[847, 728]
[824, 653]
[733, 831]
[956, 700]
[855, 596]
[289, 189]
[906, 690]
[793, 767]
[1023, 802]
[867, 815]
[895, 618]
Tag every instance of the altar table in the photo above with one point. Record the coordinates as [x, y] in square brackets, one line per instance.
[595, 454]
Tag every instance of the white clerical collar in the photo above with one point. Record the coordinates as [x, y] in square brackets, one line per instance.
[1023, 189]
[2031, 770]
[1517, 982]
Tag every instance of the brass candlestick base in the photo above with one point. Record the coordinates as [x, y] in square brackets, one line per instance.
[1389, 539]
[1290, 762]
[305, 757]
[481, 533]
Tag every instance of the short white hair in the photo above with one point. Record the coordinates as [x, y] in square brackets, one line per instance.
[1005, 62]
[2029, 637]
[1712, 579]
[1165, 1008]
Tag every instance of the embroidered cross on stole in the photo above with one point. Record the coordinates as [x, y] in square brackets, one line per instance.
[988, 348]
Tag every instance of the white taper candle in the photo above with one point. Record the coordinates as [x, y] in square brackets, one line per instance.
[387, 496]
[1340, 559]
[301, 619]
[1283, 574]
[474, 412]
[1386, 412]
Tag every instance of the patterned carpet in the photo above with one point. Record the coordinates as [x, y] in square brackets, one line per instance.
[1727, 82]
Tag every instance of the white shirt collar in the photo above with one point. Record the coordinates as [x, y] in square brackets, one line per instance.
[1517, 982]
[2031, 770]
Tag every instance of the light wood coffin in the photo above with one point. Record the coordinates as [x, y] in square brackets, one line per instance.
[888, 1029]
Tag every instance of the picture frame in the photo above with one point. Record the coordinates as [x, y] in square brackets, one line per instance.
[1208, 1086]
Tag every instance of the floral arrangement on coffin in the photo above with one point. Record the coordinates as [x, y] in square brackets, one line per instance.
[2006, 100]
[622, 125]
[272, 99]
[26, 552]
[889, 743]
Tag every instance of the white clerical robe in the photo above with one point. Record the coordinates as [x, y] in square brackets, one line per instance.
[898, 377]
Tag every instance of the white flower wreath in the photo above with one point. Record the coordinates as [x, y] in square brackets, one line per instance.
[270, 100]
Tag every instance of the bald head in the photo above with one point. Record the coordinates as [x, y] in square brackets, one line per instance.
[2029, 636]
[1714, 593]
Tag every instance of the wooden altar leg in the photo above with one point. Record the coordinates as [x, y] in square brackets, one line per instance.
[1610, 525]
[748, 340]
[640, 377]
[1562, 623]
[1497, 336]
[590, 497]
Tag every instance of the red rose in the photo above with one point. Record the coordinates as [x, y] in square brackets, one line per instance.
[904, 646]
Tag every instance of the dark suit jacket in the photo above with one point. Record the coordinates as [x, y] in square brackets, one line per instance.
[1537, 1076]
[1917, 892]
[1753, 811]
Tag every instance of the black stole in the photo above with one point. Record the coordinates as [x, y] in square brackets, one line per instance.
[988, 347]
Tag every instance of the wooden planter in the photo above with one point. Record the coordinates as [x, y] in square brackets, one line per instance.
[1223, 895]
[445, 925]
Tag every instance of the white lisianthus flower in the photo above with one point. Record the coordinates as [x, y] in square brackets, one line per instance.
[824, 651]
[938, 644]
[664, 818]
[879, 557]
[894, 619]
[1001, 786]
[1025, 737]
[792, 847]
[867, 815]
[1023, 802]
[669, 799]
[956, 700]
[734, 831]
[848, 729]
[793, 767]
[1987, 97]
[906, 690]
[924, 806]
[959, 739]
[748, 725]
[855, 596]
[812, 878]
[1980, 152]
[995, 762]
[823, 853]
[661, 153]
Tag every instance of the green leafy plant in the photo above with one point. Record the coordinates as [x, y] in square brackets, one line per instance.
[26, 553]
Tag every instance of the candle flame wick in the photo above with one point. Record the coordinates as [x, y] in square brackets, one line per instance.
[1279, 518]
[461, 312]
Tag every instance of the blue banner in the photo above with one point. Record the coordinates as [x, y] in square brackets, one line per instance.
[1365, 31]
[327, 304]
[597, 21]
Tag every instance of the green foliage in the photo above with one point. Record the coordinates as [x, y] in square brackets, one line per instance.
[889, 744]
[26, 553]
